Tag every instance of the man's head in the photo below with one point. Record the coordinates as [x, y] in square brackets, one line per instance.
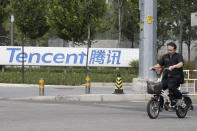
[171, 48]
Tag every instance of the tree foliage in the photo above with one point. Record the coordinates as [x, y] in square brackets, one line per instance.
[189, 33]
[93, 12]
[3, 11]
[66, 19]
[30, 17]
[163, 22]
[70, 18]
[181, 15]
[130, 23]
[129, 19]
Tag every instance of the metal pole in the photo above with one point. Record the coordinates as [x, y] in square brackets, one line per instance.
[148, 51]
[181, 30]
[180, 38]
[141, 46]
[12, 30]
[88, 84]
[23, 60]
[87, 89]
[41, 87]
[154, 55]
[196, 73]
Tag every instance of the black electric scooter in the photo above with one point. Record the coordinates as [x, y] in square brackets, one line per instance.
[161, 101]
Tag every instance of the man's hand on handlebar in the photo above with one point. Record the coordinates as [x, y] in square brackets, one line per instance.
[171, 67]
[151, 68]
[154, 67]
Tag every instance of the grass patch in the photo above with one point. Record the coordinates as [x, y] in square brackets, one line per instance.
[56, 75]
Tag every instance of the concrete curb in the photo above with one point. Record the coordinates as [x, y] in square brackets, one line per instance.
[91, 98]
[88, 98]
[37, 98]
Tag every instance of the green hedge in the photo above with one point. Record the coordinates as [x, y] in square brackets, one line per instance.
[73, 75]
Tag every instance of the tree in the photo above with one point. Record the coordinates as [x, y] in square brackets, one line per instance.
[131, 20]
[180, 19]
[3, 11]
[176, 9]
[3, 15]
[66, 19]
[30, 17]
[104, 27]
[163, 23]
[189, 33]
[70, 18]
[93, 11]
[109, 24]
[127, 19]
[118, 6]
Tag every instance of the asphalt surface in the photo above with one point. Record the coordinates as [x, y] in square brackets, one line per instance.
[88, 116]
[45, 114]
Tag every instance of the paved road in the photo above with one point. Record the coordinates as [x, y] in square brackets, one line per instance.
[91, 116]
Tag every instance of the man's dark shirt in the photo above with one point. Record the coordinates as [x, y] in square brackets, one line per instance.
[168, 61]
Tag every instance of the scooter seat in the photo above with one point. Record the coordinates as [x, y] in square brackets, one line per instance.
[185, 92]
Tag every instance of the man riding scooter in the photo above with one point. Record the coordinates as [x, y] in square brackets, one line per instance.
[174, 77]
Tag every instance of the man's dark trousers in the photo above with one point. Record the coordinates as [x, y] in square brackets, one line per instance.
[172, 83]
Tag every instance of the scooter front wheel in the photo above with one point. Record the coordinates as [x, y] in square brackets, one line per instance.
[153, 108]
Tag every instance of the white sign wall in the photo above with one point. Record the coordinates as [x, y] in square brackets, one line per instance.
[63, 56]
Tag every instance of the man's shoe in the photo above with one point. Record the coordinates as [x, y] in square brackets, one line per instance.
[173, 103]
[176, 102]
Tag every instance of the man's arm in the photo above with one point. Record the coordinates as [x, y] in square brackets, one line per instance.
[155, 66]
[179, 65]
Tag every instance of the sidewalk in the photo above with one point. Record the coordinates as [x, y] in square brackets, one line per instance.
[128, 96]
[93, 84]
[92, 98]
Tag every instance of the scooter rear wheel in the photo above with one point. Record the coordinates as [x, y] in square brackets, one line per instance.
[153, 109]
[181, 112]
